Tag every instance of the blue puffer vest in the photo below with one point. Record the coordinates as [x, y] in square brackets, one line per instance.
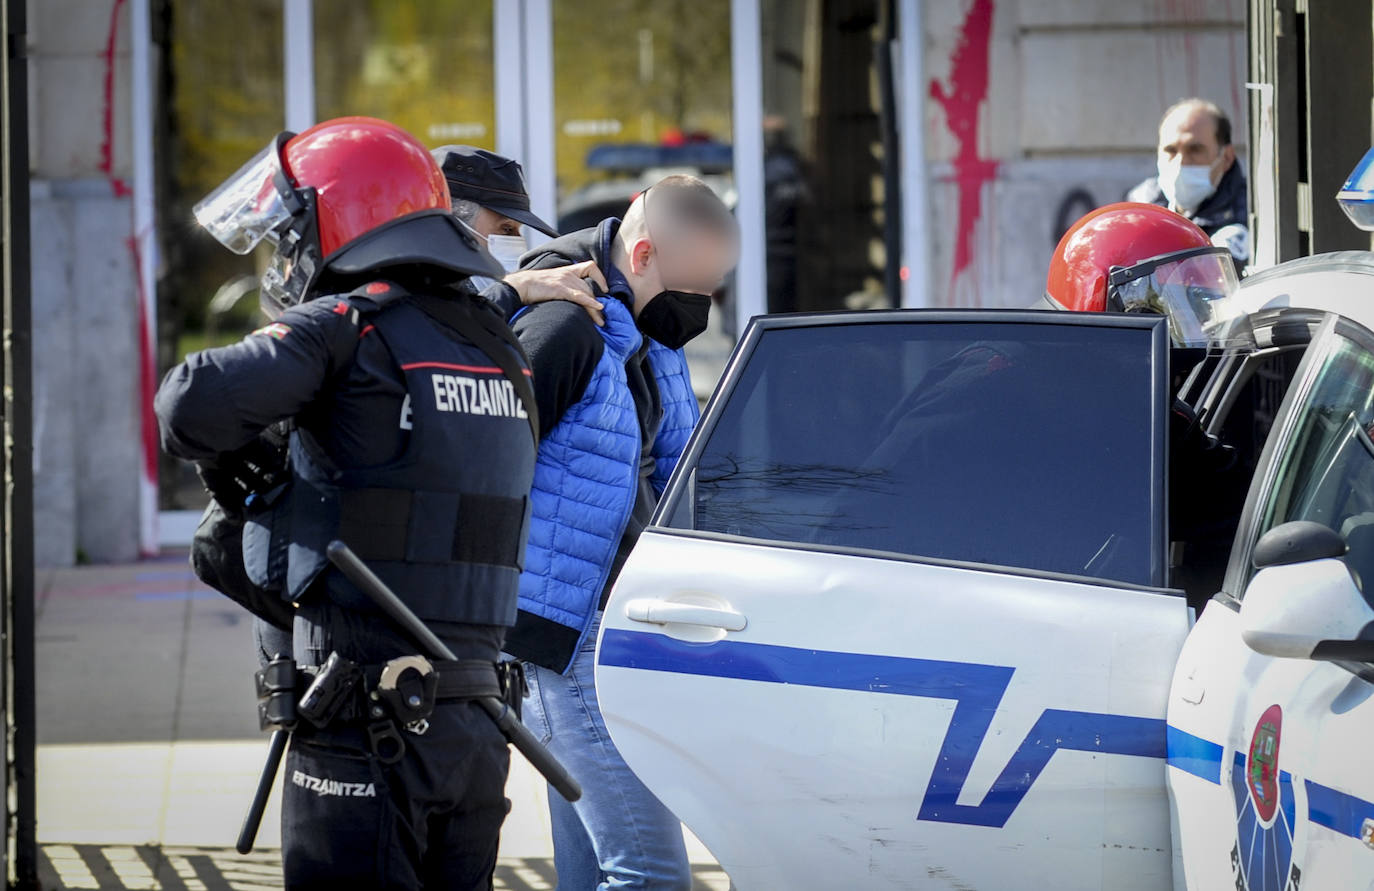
[585, 481]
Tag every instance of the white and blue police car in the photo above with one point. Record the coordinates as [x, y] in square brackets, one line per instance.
[909, 614]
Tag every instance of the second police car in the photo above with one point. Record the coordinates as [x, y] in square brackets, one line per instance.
[842, 672]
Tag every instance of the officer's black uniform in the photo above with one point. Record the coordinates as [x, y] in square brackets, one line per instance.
[413, 446]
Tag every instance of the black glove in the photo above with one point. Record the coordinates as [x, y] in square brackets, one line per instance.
[250, 478]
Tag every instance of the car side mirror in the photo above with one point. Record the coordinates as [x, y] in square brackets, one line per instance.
[1303, 602]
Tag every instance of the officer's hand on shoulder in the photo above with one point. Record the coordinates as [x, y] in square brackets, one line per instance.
[579, 283]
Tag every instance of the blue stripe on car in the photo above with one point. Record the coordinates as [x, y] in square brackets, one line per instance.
[977, 691]
[1193, 754]
[975, 688]
[1337, 810]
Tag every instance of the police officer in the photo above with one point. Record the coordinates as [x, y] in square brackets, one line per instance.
[1133, 257]
[411, 437]
[488, 193]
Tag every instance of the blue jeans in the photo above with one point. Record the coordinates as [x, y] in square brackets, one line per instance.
[618, 835]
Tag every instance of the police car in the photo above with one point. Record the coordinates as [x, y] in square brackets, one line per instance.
[909, 613]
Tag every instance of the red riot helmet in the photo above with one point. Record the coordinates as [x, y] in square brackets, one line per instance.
[333, 199]
[1131, 257]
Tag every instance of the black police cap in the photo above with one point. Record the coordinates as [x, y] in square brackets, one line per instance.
[486, 178]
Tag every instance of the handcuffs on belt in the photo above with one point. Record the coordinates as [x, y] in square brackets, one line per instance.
[405, 693]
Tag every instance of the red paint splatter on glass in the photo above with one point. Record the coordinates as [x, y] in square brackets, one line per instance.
[968, 87]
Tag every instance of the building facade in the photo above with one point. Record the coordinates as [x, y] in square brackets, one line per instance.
[982, 127]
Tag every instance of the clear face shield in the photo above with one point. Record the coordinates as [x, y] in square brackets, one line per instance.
[1193, 289]
[260, 202]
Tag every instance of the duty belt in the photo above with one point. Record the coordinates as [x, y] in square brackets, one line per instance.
[404, 690]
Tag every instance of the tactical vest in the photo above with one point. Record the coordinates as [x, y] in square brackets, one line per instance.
[444, 524]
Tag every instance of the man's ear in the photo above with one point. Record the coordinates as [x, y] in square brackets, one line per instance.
[1229, 156]
[641, 255]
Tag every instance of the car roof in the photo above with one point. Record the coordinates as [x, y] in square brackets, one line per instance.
[1341, 282]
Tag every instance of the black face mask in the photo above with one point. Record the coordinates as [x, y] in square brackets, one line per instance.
[674, 317]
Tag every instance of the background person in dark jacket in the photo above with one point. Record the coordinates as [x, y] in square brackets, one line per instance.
[617, 407]
[1199, 176]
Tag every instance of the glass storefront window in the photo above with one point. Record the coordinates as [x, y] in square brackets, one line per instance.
[641, 90]
[224, 102]
[823, 190]
[425, 65]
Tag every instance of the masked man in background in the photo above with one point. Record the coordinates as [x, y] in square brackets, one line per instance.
[1199, 176]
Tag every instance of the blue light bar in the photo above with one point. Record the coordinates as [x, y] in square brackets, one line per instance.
[1356, 197]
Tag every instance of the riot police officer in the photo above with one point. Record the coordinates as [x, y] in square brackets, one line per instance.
[1131, 257]
[411, 428]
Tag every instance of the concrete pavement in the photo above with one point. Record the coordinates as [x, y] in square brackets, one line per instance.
[149, 747]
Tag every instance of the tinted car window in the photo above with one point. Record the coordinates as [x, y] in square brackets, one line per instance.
[1326, 466]
[1017, 445]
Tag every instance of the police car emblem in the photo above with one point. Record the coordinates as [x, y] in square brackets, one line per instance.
[1262, 765]
[1262, 858]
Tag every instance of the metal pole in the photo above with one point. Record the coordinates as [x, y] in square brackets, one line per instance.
[540, 159]
[508, 75]
[145, 252]
[746, 74]
[884, 64]
[17, 516]
[298, 69]
[911, 92]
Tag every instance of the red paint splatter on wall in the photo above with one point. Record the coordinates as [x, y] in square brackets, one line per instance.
[1182, 49]
[147, 376]
[961, 100]
[107, 124]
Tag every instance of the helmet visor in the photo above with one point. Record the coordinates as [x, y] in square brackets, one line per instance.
[1193, 289]
[247, 206]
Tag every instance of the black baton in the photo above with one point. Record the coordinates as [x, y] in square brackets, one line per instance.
[249, 833]
[516, 733]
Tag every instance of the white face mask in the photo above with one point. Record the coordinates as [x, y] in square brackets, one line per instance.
[1186, 186]
[506, 250]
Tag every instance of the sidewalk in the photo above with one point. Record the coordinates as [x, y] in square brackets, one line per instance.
[149, 747]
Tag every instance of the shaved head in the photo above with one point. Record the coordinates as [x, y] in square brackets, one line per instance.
[678, 203]
[677, 235]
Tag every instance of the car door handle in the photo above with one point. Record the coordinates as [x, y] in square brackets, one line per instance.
[666, 612]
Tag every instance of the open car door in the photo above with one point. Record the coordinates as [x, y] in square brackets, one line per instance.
[900, 620]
